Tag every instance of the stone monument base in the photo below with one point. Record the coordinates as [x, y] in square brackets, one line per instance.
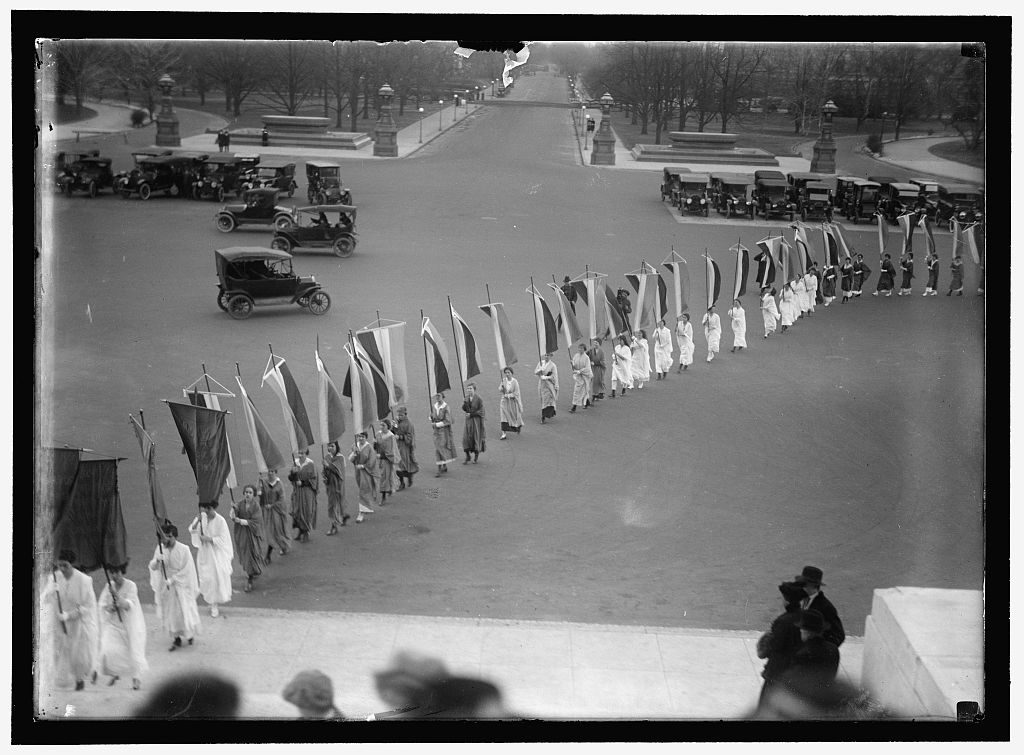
[300, 131]
[700, 147]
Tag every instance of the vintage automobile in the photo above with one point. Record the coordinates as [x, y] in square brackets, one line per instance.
[770, 197]
[927, 195]
[251, 275]
[324, 181]
[272, 173]
[669, 184]
[862, 200]
[775, 175]
[961, 202]
[221, 173]
[693, 194]
[815, 201]
[171, 174]
[311, 228]
[89, 174]
[730, 194]
[844, 187]
[797, 181]
[64, 160]
[897, 198]
[259, 208]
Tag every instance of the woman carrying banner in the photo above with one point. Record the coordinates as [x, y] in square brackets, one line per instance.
[738, 316]
[474, 434]
[547, 387]
[956, 281]
[684, 332]
[662, 350]
[444, 444]
[800, 289]
[510, 409]
[386, 447]
[69, 600]
[249, 540]
[811, 284]
[122, 629]
[828, 284]
[769, 310]
[597, 365]
[275, 514]
[172, 575]
[886, 278]
[364, 462]
[712, 331]
[932, 263]
[787, 306]
[581, 375]
[622, 366]
[305, 483]
[405, 435]
[334, 483]
[846, 271]
[907, 266]
[210, 535]
[641, 362]
[861, 272]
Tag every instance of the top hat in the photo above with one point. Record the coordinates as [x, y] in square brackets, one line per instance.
[812, 621]
[811, 575]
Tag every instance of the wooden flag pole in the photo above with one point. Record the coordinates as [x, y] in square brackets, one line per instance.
[113, 595]
[426, 367]
[159, 539]
[458, 358]
[60, 607]
[536, 325]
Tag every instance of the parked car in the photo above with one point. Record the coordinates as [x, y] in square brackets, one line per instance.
[815, 201]
[844, 188]
[862, 200]
[669, 184]
[222, 173]
[731, 194]
[775, 175]
[897, 198]
[259, 208]
[928, 195]
[89, 174]
[171, 174]
[770, 197]
[693, 193]
[64, 160]
[271, 173]
[797, 181]
[960, 202]
[324, 181]
[311, 228]
[251, 275]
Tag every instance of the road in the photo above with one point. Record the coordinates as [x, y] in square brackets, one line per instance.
[853, 442]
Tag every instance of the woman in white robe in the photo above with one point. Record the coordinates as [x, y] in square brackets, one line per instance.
[684, 332]
[787, 306]
[172, 575]
[641, 363]
[69, 608]
[122, 630]
[662, 350]
[622, 366]
[510, 410]
[547, 387]
[712, 331]
[738, 316]
[769, 311]
[212, 539]
[801, 296]
[811, 284]
[581, 375]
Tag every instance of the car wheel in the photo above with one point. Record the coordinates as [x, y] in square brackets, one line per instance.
[145, 192]
[319, 302]
[220, 193]
[344, 246]
[93, 189]
[282, 221]
[320, 198]
[281, 243]
[225, 223]
[222, 300]
[303, 301]
[240, 306]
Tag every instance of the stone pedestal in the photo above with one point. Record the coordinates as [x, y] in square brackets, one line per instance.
[167, 130]
[386, 144]
[824, 159]
[603, 152]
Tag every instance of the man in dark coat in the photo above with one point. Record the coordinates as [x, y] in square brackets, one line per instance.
[817, 657]
[570, 293]
[810, 579]
[782, 639]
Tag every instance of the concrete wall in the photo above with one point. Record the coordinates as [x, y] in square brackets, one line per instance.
[923, 650]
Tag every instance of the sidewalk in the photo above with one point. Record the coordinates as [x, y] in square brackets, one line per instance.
[912, 154]
[552, 670]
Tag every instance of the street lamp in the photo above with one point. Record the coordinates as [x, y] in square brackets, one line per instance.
[421, 125]
[467, 102]
[440, 111]
[881, 133]
[476, 92]
[492, 87]
[583, 122]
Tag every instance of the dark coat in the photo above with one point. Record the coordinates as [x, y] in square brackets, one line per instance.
[817, 657]
[780, 643]
[834, 631]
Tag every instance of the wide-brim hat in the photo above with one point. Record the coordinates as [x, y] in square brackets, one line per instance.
[812, 621]
[792, 592]
[811, 575]
[311, 690]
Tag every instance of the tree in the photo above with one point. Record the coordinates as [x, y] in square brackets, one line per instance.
[902, 83]
[140, 65]
[733, 66]
[194, 71]
[858, 83]
[237, 67]
[965, 99]
[82, 67]
[291, 76]
[812, 70]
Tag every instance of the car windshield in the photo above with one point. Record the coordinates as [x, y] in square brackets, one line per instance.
[818, 195]
[868, 193]
[208, 169]
[693, 188]
[734, 188]
[907, 194]
[267, 172]
[330, 181]
[774, 192]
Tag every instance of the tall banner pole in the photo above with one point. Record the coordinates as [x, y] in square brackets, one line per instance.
[159, 540]
[458, 358]
[536, 324]
[426, 364]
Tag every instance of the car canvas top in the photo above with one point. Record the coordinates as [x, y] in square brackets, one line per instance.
[817, 186]
[866, 182]
[275, 162]
[695, 178]
[321, 164]
[773, 182]
[901, 187]
[733, 178]
[962, 189]
[327, 208]
[234, 253]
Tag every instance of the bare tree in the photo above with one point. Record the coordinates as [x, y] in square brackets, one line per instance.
[965, 99]
[903, 83]
[237, 67]
[733, 65]
[291, 76]
[858, 82]
[812, 69]
[140, 65]
[82, 66]
[705, 85]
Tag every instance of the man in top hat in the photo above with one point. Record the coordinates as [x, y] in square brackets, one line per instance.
[817, 658]
[810, 579]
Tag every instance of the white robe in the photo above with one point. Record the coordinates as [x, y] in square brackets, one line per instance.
[712, 331]
[684, 331]
[74, 651]
[801, 295]
[811, 284]
[176, 597]
[739, 326]
[662, 349]
[641, 366]
[122, 639]
[787, 306]
[582, 373]
[213, 560]
[770, 313]
[622, 370]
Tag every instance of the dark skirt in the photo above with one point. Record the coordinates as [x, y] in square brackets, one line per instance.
[906, 280]
[547, 412]
[507, 428]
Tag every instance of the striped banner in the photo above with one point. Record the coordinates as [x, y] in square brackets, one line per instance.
[295, 418]
[465, 347]
[566, 319]
[929, 239]
[211, 400]
[332, 415]
[739, 286]
[803, 244]
[359, 387]
[883, 233]
[958, 238]
[502, 333]
[615, 317]
[906, 221]
[384, 347]
[589, 289]
[768, 260]
[437, 356]
[644, 315]
[547, 331]
[831, 244]
[971, 241]
[268, 455]
[713, 280]
[680, 281]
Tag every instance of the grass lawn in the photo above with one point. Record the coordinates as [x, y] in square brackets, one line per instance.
[957, 152]
[68, 113]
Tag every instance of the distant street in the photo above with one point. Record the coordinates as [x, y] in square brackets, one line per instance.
[853, 442]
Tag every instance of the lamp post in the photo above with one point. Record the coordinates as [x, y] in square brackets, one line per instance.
[583, 121]
[604, 141]
[385, 132]
[440, 116]
[824, 158]
[167, 127]
[421, 125]
[476, 92]
[881, 133]
[455, 106]
[492, 87]
[467, 102]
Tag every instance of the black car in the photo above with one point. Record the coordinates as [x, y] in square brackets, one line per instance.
[797, 181]
[89, 174]
[221, 173]
[692, 195]
[927, 195]
[814, 199]
[965, 204]
[844, 187]
[271, 173]
[311, 228]
[897, 198]
[730, 194]
[259, 208]
[171, 174]
[669, 184]
[863, 200]
[771, 198]
[324, 183]
[251, 275]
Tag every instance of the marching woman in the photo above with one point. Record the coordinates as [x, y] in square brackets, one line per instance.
[172, 575]
[69, 607]
[334, 483]
[787, 306]
[622, 369]
[511, 407]
[212, 539]
[122, 630]
[364, 462]
[712, 331]
[800, 289]
[581, 375]
[305, 483]
[474, 435]
[248, 531]
[932, 262]
[886, 278]
[739, 325]
[828, 284]
[547, 387]
[405, 434]
[907, 266]
[275, 514]
[641, 366]
[684, 332]
[444, 444]
[956, 281]
[861, 272]
[386, 447]
[811, 284]
[662, 350]
[597, 365]
[846, 270]
[769, 310]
